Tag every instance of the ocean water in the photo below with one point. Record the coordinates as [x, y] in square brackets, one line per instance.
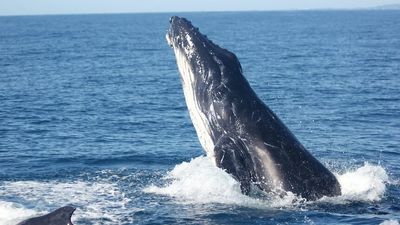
[92, 115]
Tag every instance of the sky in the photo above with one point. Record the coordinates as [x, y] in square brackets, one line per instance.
[40, 7]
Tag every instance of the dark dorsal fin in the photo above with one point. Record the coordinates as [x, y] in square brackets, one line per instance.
[61, 216]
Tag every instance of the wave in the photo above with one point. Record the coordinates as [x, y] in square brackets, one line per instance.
[101, 201]
[96, 202]
[366, 183]
[200, 181]
[390, 222]
[12, 213]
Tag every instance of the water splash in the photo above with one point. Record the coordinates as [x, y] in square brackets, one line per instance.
[12, 213]
[100, 203]
[200, 181]
[390, 222]
[367, 183]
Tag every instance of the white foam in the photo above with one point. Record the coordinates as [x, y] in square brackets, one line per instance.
[367, 183]
[12, 213]
[200, 181]
[390, 222]
[93, 200]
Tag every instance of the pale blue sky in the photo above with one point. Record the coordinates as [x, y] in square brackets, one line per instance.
[30, 7]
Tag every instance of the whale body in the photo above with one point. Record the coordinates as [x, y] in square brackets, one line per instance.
[235, 128]
[61, 216]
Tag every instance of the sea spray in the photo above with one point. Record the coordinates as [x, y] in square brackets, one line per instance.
[12, 213]
[92, 200]
[367, 183]
[200, 181]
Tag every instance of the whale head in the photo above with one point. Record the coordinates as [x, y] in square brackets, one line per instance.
[210, 64]
[208, 73]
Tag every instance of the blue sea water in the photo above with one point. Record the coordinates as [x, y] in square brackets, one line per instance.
[92, 114]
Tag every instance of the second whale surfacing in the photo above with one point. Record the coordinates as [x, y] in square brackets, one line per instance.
[61, 216]
[235, 127]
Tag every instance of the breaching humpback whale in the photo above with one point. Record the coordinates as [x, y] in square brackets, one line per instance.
[235, 127]
[61, 216]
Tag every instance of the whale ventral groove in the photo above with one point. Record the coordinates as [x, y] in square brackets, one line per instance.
[235, 128]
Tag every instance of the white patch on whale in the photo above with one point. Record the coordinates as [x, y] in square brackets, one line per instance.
[198, 118]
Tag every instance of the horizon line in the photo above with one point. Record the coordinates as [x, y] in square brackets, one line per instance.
[375, 8]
